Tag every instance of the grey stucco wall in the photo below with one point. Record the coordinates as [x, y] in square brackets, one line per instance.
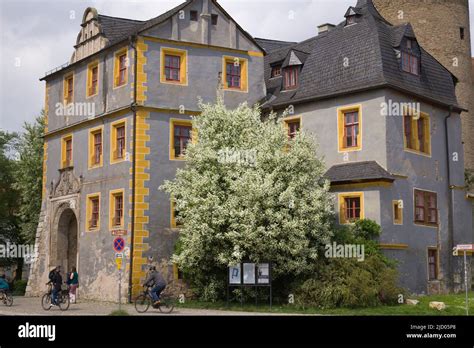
[320, 118]
[108, 98]
[382, 141]
[97, 270]
[203, 68]
[224, 34]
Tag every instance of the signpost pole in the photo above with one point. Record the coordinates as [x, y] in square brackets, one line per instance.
[465, 282]
[120, 289]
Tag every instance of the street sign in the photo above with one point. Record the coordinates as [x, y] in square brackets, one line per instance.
[119, 232]
[118, 262]
[119, 255]
[119, 244]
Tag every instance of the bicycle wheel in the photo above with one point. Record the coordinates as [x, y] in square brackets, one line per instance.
[63, 301]
[46, 302]
[166, 305]
[142, 303]
[8, 300]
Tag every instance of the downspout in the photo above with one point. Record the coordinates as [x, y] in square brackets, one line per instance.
[133, 107]
[450, 197]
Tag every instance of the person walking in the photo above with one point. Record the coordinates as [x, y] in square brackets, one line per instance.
[73, 282]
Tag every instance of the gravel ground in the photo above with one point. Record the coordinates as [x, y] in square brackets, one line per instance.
[32, 306]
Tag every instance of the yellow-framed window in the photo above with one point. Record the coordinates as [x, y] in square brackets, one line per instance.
[235, 73]
[66, 151]
[116, 209]
[397, 211]
[417, 133]
[351, 207]
[92, 79]
[121, 64]
[96, 146]
[181, 134]
[174, 220]
[68, 88]
[173, 66]
[293, 126]
[93, 212]
[118, 141]
[349, 128]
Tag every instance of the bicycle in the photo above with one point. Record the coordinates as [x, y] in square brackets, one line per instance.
[63, 299]
[6, 297]
[145, 300]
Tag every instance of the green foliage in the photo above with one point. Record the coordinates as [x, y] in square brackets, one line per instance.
[29, 174]
[469, 178]
[19, 287]
[119, 313]
[349, 283]
[9, 221]
[248, 193]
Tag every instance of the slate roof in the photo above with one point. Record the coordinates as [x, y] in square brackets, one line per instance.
[116, 29]
[369, 47]
[272, 45]
[358, 172]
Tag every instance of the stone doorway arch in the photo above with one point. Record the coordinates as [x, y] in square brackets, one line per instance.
[64, 243]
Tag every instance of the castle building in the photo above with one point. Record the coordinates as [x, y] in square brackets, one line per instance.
[442, 28]
[383, 110]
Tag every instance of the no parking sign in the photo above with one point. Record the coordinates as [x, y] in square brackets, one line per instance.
[119, 244]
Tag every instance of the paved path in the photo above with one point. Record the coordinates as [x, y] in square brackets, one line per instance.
[32, 306]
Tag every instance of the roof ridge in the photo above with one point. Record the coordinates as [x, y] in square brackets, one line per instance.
[121, 18]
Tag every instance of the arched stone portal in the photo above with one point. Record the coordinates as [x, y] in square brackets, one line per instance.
[65, 244]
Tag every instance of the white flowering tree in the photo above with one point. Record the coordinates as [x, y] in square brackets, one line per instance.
[248, 193]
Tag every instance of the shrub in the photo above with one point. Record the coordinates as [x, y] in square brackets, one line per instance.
[349, 283]
[19, 287]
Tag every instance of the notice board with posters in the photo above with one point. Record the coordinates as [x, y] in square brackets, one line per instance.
[250, 274]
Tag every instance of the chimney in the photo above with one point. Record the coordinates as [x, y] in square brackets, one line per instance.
[324, 28]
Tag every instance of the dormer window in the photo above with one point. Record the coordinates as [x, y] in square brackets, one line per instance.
[410, 58]
[291, 77]
[350, 20]
[276, 71]
[351, 15]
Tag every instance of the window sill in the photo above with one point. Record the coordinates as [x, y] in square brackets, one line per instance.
[95, 166]
[235, 89]
[425, 224]
[350, 149]
[416, 152]
[175, 83]
[178, 158]
[120, 86]
[115, 161]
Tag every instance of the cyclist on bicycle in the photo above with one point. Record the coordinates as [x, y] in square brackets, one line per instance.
[157, 283]
[57, 280]
[4, 287]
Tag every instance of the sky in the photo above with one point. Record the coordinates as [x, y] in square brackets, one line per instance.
[38, 35]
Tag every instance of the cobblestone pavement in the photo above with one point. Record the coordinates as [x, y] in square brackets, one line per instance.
[32, 306]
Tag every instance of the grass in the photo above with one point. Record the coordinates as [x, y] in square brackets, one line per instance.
[454, 306]
[119, 313]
